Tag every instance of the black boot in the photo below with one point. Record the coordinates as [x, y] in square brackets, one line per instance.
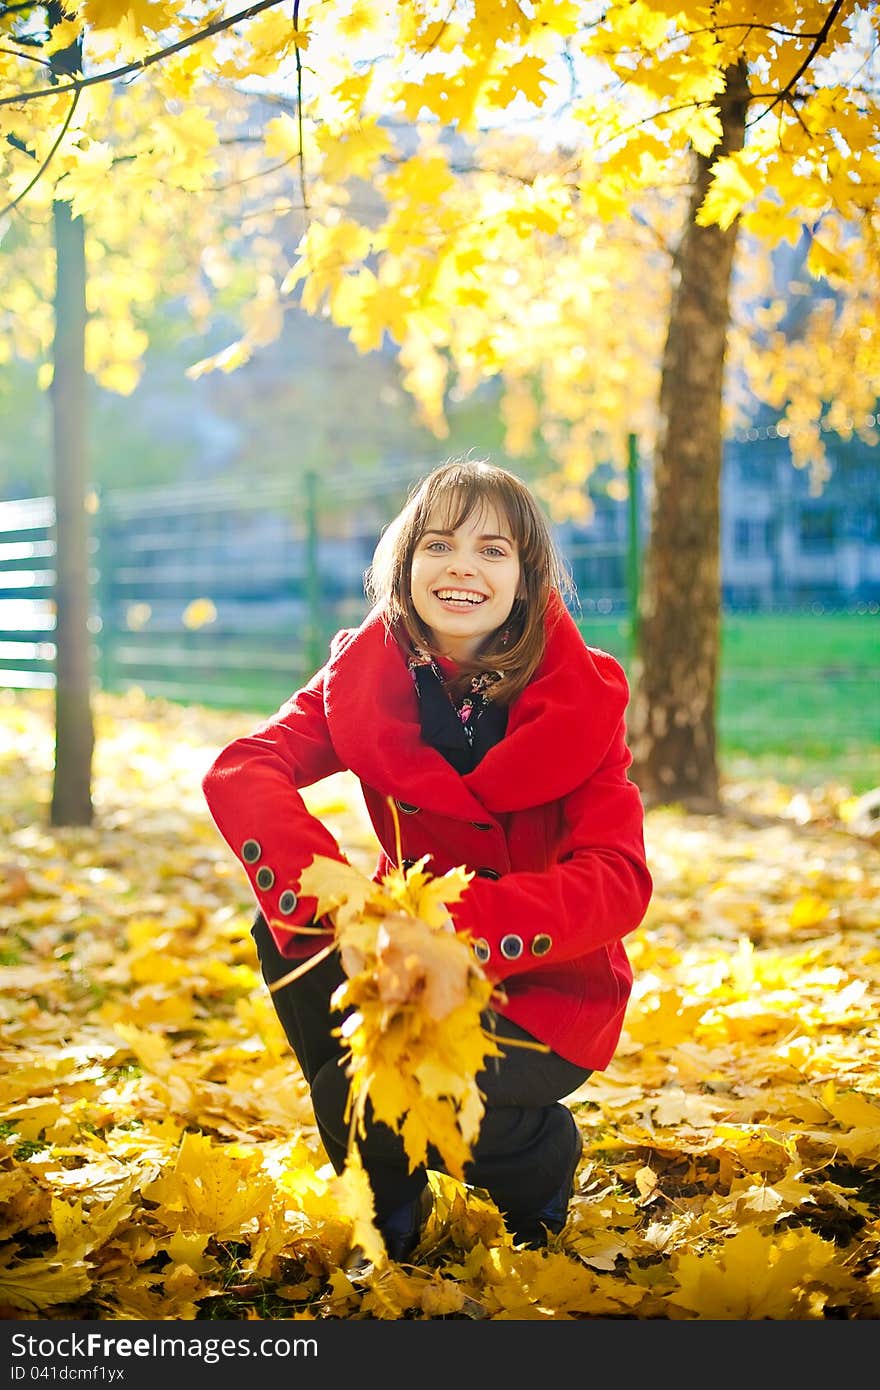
[532, 1229]
[402, 1229]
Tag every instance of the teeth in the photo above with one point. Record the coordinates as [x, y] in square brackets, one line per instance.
[460, 595]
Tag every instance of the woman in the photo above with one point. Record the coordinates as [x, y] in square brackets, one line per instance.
[469, 697]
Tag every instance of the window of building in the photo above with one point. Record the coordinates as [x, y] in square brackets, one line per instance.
[817, 528]
[751, 537]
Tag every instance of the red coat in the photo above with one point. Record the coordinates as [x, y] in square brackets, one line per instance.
[548, 820]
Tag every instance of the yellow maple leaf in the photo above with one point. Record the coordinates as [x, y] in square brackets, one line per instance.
[341, 890]
[80, 1229]
[352, 1190]
[425, 896]
[524, 78]
[754, 1276]
[113, 14]
[416, 964]
[36, 1284]
[212, 1187]
[736, 180]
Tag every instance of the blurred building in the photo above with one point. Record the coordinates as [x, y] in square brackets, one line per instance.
[782, 544]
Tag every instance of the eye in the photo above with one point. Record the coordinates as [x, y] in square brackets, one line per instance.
[435, 545]
[495, 551]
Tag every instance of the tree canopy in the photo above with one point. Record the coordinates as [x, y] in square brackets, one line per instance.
[498, 188]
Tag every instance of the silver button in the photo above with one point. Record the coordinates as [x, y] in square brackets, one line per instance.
[288, 901]
[265, 878]
[406, 808]
[481, 949]
[511, 946]
[541, 944]
[488, 873]
[251, 851]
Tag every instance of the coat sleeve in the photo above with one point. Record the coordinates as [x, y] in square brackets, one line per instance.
[253, 793]
[595, 893]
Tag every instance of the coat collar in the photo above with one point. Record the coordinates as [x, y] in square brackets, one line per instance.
[558, 729]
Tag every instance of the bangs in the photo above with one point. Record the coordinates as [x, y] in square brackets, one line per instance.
[460, 494]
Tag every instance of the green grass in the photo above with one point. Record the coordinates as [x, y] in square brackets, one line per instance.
[799, 694]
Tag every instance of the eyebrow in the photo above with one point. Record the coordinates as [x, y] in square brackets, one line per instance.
[434, 531]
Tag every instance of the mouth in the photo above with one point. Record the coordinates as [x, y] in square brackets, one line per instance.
[459, 599]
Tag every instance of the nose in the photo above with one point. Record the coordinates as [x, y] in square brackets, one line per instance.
[460, 564]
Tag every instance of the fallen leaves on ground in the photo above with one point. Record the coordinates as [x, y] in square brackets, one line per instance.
[158, 1155]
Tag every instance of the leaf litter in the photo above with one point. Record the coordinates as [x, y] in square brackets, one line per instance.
[159, 1158]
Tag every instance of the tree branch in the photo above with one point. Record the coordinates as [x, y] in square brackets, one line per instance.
[299, 115]
[787, 93]
[45, 164]
[19, 98]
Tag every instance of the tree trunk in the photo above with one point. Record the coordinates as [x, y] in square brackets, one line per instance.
[74, 731]
[672, 716]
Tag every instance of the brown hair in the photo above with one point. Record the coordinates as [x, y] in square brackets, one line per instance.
[448, 496]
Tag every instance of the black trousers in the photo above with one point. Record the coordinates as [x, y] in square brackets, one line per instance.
[523, 1153]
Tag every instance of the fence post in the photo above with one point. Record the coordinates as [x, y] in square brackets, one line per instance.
[103, 560]
[313, 573]
[633, 557]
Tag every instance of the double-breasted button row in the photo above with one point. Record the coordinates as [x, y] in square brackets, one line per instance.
[251, 853]
[409, 810]
[512, 946]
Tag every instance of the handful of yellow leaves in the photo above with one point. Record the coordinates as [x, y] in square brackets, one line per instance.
[415, 1036]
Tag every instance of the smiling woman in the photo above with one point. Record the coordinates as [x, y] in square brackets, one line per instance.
[487, 737]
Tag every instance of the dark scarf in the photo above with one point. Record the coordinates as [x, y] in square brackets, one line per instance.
[464, 730]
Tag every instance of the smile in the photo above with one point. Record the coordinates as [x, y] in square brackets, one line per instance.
[465, 596]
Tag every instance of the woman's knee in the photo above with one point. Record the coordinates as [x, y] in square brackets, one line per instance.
[330, 1087]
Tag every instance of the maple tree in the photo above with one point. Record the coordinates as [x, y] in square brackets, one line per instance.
[158, 1152]
[118, 197]
[576, 201]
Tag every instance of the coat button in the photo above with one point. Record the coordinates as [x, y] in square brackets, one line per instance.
[541, 944]
[481, 949]
[488, 873]
[406, 808]
[251, 851]
[265, 878]
[288, 901]
[511, 946]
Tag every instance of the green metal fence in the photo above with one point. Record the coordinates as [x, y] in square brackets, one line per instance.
[27, 580]
[219, 594]
[228, 597]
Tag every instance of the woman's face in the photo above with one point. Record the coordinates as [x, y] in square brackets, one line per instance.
[464, 582]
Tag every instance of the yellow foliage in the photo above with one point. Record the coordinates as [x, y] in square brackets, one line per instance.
[211, 1188]
[753, 1275]
[34, 1285]
[414, 1035]
[483, 266]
